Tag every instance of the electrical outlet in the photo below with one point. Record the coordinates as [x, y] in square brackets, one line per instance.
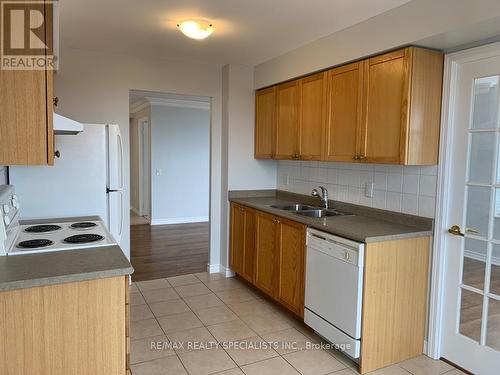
[369, 189]
[286, 180]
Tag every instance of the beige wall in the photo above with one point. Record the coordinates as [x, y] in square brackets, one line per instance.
[407, 24]
[93, 87]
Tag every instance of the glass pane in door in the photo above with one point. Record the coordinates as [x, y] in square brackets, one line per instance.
[495, 271]
[482, 155]
[493, 332]
[478, 209]
[474, 266]
[471, 311]
[485, 110]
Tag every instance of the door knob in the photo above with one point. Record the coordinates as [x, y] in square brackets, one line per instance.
[455, 230]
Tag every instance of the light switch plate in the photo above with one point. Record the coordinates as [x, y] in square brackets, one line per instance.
[369, 189]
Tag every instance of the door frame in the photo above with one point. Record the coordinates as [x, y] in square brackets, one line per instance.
[438, 277]
[143, 162]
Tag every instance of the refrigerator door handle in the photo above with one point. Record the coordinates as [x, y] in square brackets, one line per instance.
[115, 158]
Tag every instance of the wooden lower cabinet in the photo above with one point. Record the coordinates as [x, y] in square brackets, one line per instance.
[266, 250]
[74, 328]
[269, 252]
[242, 257]
[291, 258]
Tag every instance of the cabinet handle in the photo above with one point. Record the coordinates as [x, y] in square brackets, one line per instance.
[57, 154]
[55, 101]
[296, 156]
[361, 157]
[355, 157]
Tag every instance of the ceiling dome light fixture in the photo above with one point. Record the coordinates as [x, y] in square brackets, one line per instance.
[196, 29]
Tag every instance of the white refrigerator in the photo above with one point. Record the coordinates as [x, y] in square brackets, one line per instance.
[86, 180]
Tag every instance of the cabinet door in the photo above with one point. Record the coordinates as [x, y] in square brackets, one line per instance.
[237, 238]
[312, 116]
[265, 123]
[386, 87]
[287, 116]
[248, 269]
[266, 256]
[26, 136]
[344, 99]
[291, 252]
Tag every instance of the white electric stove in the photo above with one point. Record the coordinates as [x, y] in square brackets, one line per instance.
[45, 236]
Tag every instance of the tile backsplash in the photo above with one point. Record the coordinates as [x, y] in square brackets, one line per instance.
[406, 189]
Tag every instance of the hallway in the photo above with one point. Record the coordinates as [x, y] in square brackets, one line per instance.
[161, 251]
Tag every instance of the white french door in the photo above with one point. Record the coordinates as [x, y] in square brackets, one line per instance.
[471, 309]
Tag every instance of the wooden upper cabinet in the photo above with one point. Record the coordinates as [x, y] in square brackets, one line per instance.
[291, 252]
[242, 251]
[403, 104]
[287, 120]
[265, 123]
[26, 134]
[344, 116]
[266, 252]
[386, 99]
[385, 109]
[312, 116]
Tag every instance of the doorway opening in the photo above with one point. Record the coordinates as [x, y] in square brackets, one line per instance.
[170, 184]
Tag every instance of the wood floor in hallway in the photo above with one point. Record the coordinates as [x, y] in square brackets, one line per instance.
[168, 250]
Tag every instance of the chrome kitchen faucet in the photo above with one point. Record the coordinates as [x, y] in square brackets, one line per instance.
[323, 196]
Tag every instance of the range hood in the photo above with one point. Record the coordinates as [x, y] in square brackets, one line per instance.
[66, 126]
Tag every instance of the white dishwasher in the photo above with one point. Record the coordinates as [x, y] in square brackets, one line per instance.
[334, 289]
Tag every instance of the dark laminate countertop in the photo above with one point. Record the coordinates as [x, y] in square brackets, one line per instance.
[366, 225]
[33, 270]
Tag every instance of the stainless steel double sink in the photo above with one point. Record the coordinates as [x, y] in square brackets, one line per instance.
[307, 210]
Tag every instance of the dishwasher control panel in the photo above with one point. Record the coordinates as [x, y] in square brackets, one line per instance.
[340, 248]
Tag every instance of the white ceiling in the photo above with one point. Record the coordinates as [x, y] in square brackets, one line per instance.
[246, 31]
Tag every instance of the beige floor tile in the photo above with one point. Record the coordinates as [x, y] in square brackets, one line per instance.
[145, 328]
[250, 350]
[175, 306]
[225, 284]
[347, 371]
[160, 295]
[313, 362]
[179, 322]
[192, 290]
[423, 365]
[136, 298]
[203, 362]
[455, 372]
[214, 315]
[163, 366]
[134, 288]
[252, 307]
[234, 371]
[390, 370]
[204, 301]
[183, 280]
[152, 284]
[266, 322]
[288, 341]
[234, 296]
[273, 366]
[140, 312]
[205, 276]
[231, 331]
[342, 357]
[149, 348]
[192, 339]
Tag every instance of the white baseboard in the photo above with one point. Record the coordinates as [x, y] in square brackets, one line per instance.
[180, 220]
[219, 268]
[135, 210]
